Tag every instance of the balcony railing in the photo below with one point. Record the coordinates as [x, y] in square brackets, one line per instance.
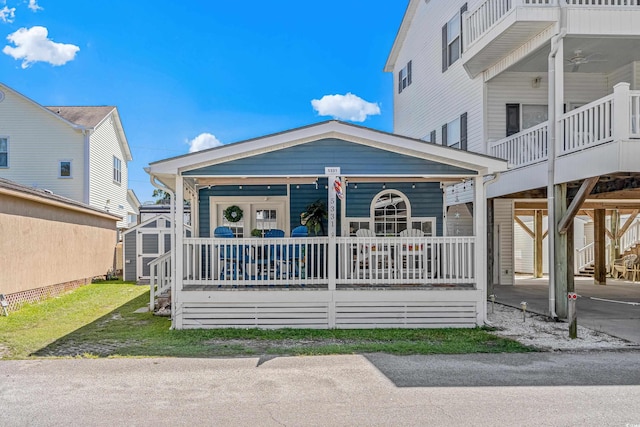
[489, 13]
[304, 262]
[479, 21]
[612, 118]
[523, 148]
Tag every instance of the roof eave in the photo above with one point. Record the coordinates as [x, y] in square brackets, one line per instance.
[401, 35]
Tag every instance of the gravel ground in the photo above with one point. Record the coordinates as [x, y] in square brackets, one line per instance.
[543, 333]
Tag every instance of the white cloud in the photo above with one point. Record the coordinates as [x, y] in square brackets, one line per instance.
[345, 107]
[7, 15]
[202, 142]
[32, 45]
[33, 5]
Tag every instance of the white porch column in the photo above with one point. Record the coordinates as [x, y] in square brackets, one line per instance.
[621, 111]
[179, 238]
[480, 250]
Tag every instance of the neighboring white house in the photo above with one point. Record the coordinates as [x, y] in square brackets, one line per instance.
[475, 76]
[76, 152]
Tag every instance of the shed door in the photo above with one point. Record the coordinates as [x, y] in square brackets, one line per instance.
[151, 244]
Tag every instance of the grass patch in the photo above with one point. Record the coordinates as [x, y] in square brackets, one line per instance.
[99, 320]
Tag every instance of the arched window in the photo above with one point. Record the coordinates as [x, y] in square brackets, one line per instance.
[390, 211]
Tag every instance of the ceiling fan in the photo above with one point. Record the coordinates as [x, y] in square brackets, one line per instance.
[579, 58]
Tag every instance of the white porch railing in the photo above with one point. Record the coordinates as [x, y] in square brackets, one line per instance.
[630, 238]
[255, 261]
[160, 276]
[228, 263]
[480, 20]
[406, 260]
[523, 148]
[614, 117]
[586, 256]
[587, 126]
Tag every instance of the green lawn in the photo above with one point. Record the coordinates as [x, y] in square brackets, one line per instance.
[99, 320]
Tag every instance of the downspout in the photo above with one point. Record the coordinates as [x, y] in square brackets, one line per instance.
[551, 154]
[166, 189]
[87, 166]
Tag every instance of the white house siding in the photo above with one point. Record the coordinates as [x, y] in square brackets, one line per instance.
[103, 146]
[622, 74]
[503, 241]
[516, 88]
[524, 244]
[38, 140]
[524, 248]
[435, 98]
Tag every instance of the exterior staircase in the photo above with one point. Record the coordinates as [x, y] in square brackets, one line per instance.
[629, 244]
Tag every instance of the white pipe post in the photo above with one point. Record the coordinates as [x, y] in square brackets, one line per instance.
[179, 259]
[479, 261]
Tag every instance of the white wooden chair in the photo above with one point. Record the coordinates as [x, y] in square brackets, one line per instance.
[623, 266]
[361, 259]
[411, 232]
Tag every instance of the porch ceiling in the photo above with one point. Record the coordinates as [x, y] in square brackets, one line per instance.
[605, 54]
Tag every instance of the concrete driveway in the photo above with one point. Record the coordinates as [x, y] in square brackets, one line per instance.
[613, 308]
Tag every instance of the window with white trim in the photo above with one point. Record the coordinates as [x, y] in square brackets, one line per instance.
[390, 213]
[356, 224]
[266, 219]
[117, 170]
[454, 133]
[64, 171]
[4, 152]
[452, 39]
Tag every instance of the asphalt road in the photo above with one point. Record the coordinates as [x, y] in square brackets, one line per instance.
[540, 389]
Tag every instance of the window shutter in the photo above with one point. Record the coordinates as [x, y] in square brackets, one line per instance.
[408, 73]
[463, 9]
[513, 119]
[400, 81]
[445, 59]
[463, 131]
[444, 134]
[432, 137]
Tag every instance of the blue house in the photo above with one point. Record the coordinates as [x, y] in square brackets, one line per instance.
[379, 258]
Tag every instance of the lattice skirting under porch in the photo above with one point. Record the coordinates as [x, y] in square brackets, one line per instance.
[17, 299]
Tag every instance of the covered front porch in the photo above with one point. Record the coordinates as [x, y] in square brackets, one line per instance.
[381, 261]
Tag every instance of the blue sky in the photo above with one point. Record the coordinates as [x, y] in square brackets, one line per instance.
[192, 74]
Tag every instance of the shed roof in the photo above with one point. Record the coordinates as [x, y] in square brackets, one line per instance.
[48, 197]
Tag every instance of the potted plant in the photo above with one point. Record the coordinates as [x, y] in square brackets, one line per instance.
[256, 233]
[313, 217]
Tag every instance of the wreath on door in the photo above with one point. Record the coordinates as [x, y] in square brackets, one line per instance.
[233, 213]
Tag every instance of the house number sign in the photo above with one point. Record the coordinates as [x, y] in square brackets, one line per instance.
[333, 173]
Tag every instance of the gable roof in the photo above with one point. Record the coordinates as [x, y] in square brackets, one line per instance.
[88, 117]
[402, 34]
[44, 109]
[82, 118]
[166, 170]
